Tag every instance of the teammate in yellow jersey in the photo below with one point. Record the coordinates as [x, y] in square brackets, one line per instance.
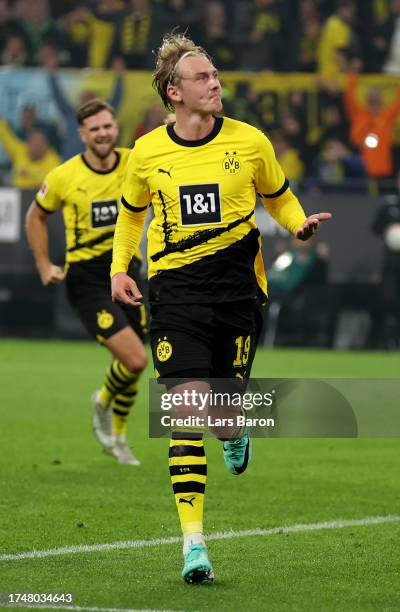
[87, 189]
[206, 276]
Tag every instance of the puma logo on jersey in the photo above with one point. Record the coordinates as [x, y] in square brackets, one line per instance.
[182, 500]
[161, 171]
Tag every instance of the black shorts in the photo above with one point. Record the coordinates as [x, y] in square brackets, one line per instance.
[89, 292]
[219, 339]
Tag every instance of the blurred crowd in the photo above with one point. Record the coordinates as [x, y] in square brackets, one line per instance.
[336, 134]
[351, 143]
[278, 35]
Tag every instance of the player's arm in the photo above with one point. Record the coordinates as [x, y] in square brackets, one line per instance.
[288, 212]
[128, 231]
[127, 237]
[352, 104]
[393, 109]
[9, 140]
[59, 98]
[279, 200]
[37, 234]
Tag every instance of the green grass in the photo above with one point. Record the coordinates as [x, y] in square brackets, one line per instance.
[57, 489]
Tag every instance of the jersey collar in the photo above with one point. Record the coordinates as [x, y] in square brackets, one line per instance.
[117, 159]
[195, 143]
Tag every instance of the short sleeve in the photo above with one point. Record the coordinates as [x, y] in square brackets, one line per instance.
[135, 190]
[47, 197]
[270, 181]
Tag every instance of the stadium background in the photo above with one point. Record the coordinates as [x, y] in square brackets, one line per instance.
[57, 490]
[288, 72]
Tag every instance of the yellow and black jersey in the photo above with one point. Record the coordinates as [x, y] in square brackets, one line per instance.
[89, 200]
[203, 243]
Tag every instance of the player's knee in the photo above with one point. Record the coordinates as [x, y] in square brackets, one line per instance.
[137, 361]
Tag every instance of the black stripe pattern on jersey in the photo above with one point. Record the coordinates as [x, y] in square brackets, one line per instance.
[277, 193]
[224, 276]
[91, 243]
[132, 208]
[196, 238]
[48, 212]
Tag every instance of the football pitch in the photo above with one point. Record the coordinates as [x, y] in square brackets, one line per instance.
[314, 524]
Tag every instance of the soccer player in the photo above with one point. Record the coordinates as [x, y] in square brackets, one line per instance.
[201, 175]
[87, 188]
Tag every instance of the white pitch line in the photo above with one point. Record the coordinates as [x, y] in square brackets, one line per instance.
[81, 609]
[222, 535]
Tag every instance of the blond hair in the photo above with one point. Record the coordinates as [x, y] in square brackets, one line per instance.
[174, 48]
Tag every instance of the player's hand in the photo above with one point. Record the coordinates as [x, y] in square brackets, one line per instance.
[311, 225]
[125, 290]
[51, 274]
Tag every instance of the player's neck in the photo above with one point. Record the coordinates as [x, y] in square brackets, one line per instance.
[193, 127]
[102, 165]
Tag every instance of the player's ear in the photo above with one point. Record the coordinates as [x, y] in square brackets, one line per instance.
[81, 132]
[173, 93]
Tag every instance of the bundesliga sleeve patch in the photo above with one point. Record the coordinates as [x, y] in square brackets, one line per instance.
[200, 204]
[43, 190]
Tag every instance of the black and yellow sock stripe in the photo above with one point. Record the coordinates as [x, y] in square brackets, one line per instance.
[188, 470]
[122, 405]
[118, 377]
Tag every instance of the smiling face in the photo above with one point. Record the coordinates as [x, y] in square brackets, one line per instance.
[99, 132]
[196, 86]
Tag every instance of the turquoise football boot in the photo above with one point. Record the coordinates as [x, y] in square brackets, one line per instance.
[197, 568]
[237, 454]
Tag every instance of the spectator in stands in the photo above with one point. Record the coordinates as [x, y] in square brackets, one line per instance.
[376, 28]
[307, 37]
[76, 28]
[216, 38]
[37, 25]
[326, 8]
[297, 106]
[71, 143]
[132, 35]
[372, 128]
[29, 121]
[288, 158]
[31, 161]
[94, 29]
[49, 55]
[297, 281]
[294, 132]
[387, 225]
[167, 14]
[337, 162]
[259, 26]
[392, 65]
[337, 35]
[8, 25]
[15, 53]
[154, 116]
[298, 266]
[244, 103]
[334, 123]
[265, 105]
